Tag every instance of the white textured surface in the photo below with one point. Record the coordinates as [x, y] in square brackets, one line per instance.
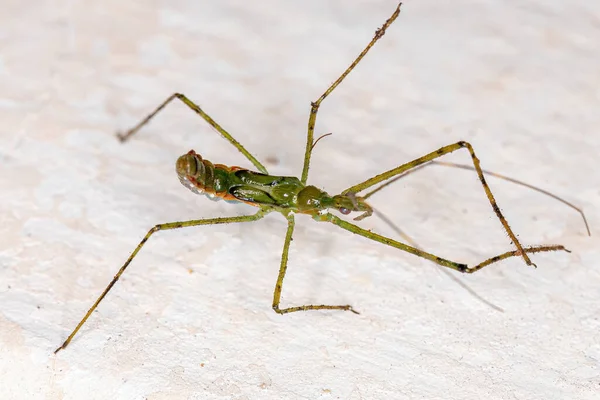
[191, 318]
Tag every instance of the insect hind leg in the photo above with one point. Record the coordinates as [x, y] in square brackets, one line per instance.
[160, 227]
[123, 137]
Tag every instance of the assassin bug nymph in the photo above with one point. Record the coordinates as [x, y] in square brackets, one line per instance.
[290, 195]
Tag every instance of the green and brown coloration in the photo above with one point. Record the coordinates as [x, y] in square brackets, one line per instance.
[279, 193]
[290, 195]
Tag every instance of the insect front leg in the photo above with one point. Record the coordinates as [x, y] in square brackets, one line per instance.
[487, 173]
[460, 267]
[283, 269]
[433, 155]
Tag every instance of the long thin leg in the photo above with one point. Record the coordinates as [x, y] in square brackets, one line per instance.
[486, 172]
[433, 155]
[125, 136]
[438, 260]
[283, 269]
[444, 271]
[314, 106]
[161, 227]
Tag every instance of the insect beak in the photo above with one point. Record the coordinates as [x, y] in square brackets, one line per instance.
[352, 202]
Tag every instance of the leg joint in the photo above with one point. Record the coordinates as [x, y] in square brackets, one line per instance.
[464, 268]
[277, 309]
[462, 143]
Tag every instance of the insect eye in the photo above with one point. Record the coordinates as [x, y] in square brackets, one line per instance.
[344, 210]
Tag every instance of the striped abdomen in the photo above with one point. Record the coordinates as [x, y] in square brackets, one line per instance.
[218, 181]
[203, 177]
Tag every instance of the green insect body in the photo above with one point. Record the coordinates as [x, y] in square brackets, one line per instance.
[290, 195]
[282, 193]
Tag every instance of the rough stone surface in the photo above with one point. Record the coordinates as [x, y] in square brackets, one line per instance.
[192, 318]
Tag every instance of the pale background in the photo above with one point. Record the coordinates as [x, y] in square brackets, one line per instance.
[192, 317]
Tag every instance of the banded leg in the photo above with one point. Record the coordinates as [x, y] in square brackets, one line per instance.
[489, 173]
[444, 271]
[283, 269]
[314, 106]
[161, 227]
[125, 136]
[433, 155]
[438, 260]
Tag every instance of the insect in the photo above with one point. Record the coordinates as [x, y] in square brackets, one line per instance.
[291, 195]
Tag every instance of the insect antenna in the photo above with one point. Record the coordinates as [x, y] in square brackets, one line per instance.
[490, 173]
[446, 272]
[319, 138]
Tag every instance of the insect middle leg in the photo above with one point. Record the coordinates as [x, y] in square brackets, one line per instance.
[314, 106]
[125, 136]
[283, 269]
[433, 155]
[160, 227]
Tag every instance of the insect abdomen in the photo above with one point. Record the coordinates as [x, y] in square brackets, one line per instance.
[203, 177]
[218, 181]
